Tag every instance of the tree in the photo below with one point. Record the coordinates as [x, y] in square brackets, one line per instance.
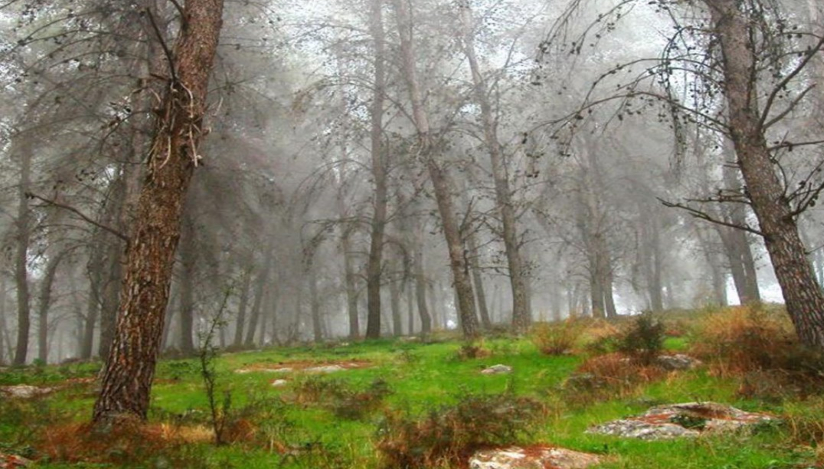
[179, 128]
[438, 174]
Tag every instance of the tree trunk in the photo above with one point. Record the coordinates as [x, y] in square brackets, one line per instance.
[314, 305]
[477, 277]
[439, 177]
[3, 330]
[44, 304]
[517, 276]
[188, 264]
[351, 287]
[21, 268]
[243, 305]
[374, 264]
[802, 294]
[737, 244]
[260, 292]
[395, 302]
[127, 379]
[420, 288]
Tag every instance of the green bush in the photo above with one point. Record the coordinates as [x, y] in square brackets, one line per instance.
[644, 340]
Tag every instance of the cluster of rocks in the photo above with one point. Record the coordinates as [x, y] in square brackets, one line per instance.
[24, 391]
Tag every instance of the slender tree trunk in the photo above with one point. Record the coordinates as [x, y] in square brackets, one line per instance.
[314, 305]
[351, 286]
[477, 277]
[521, 316]
[3, 330]
[802, 294]
[44, 304]
[127, 378]
[420, 288]
[737, 244]
[374, 264]
[243, 305]
[410, 304]
[395, 302]
[439, 177]
[260, 292]
[188, 264]
[21, 259]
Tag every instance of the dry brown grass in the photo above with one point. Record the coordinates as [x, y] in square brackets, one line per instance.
[557, 338]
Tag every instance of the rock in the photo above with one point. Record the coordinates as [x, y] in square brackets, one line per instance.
[24, 391]
[409, 339]
[325, 369]
[687, 420]
[536, 457]
[497, 370]
[11, 461]
[678, 361]
[279, 383]
[244, 371]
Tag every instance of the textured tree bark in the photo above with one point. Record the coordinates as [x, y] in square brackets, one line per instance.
[439, 177]
[802, 294]
[378, 227]
[127, 378]
[95, 270]
[521, 316]
[21, 269]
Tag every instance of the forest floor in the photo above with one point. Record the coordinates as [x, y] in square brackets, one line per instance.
[366, 405]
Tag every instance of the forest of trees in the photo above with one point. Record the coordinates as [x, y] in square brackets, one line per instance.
[359, 168]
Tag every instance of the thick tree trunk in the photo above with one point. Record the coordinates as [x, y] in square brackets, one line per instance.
[521, 316]
[378, 227]
[802, 294]
[127, 378]
[21, 259]
[439, 177]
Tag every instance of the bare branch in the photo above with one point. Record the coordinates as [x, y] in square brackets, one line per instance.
[707, 217]
[80, 214]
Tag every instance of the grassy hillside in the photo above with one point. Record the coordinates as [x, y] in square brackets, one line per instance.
[385, 393]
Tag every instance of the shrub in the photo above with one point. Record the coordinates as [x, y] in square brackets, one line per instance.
[448, 435]
[471, 351]
[606, 377]
[355, 405]
[762, 350]
[558, 338]
[644, 340]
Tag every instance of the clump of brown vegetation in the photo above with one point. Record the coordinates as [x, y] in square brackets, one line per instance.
[126, 443]
[608, 376]
[472, 351]
[760, 348]
[557, 338]
[449, 435]
[344, 400]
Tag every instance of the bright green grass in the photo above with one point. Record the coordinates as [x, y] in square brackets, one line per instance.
[422, 377]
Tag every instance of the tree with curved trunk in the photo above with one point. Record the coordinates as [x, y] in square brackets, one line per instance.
[521, 314]
[179, 127]
[438, 174]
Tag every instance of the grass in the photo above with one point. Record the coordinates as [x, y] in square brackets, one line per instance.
[421, 377]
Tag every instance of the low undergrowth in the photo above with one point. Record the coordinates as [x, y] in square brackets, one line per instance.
[418, 406]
